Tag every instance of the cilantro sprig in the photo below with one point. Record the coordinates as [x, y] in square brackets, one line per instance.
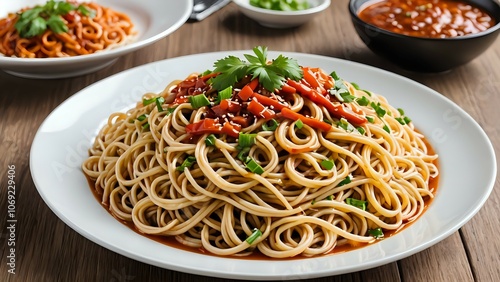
[271, 74]
[37, 20]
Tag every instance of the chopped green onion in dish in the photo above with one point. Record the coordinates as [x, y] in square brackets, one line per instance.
[377, 233]
[299, 124]
[255, 234]
[188, 162]
[327, 164]
[270, 125]
[210, 140]
[357, 203]
[281, 5]
[253, 166]
[246, 140]
[199, 101]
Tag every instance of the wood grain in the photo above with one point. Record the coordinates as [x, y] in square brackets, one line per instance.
[48, 250]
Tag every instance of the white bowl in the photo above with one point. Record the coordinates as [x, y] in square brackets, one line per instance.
[282, 19]
[153, 20]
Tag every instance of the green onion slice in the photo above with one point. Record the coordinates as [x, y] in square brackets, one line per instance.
[299, 124]
[370, 119]
[327, 164]
[171, 110]
[142, 117]
[188, 162]
[270, 125]
[378, 109]
[159, 102]
[242, 155]
[227, 93]
[346, 180]
[357, 203]
[363, 101]
[246, 140]
[387, 129]
[255, 234]
[377, 233]
[253, 166]
[199, 101]
[210, 140]
[334, 75]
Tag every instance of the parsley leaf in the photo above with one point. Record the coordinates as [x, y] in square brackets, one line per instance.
[271, 74]
[56, 24]
[37, 20]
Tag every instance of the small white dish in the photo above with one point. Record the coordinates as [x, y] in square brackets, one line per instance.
[153, 20]
[282, 19]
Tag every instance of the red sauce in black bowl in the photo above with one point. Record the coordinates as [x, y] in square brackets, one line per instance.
[427, 18]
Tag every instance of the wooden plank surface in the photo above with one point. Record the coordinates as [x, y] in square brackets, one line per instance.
[48, 250]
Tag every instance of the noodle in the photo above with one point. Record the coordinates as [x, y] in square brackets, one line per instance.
[298, 204]
[86, 35]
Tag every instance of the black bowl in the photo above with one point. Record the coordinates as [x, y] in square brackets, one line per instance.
[426, 54]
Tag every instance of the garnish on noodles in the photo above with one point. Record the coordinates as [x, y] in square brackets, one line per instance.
[263, 156]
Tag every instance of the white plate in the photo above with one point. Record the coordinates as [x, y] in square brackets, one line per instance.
[153, 19]
[61, 144]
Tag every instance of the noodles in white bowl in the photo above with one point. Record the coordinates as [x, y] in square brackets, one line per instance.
[221, 163]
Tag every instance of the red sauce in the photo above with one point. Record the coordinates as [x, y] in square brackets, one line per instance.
[424, 18]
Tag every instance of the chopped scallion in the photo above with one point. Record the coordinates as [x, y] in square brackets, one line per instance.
[199, 101]
[253, 166]
[347, 97]
[270, 125]
[329, 198]
[227, 93]
[334, 75]
[242, 155]
[363, 101]
[368, 92]
[255, 234]
[355, 85]
[345, 125]
[159, 102]
[299, 124]
[357, 203]
[327, 164]
[378, 109]
[370, 119]
[400, 120]
[188, 162]
[146, 102]
[210, 140]
[142, 117]
[361, 130]
[386, 128]
[377, 233]
[346, 180]
[246, 140]
[171, 110]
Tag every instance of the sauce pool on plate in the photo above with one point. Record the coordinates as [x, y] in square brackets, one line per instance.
[424, 18]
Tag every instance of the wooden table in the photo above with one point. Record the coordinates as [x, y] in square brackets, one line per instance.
[48, 250]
